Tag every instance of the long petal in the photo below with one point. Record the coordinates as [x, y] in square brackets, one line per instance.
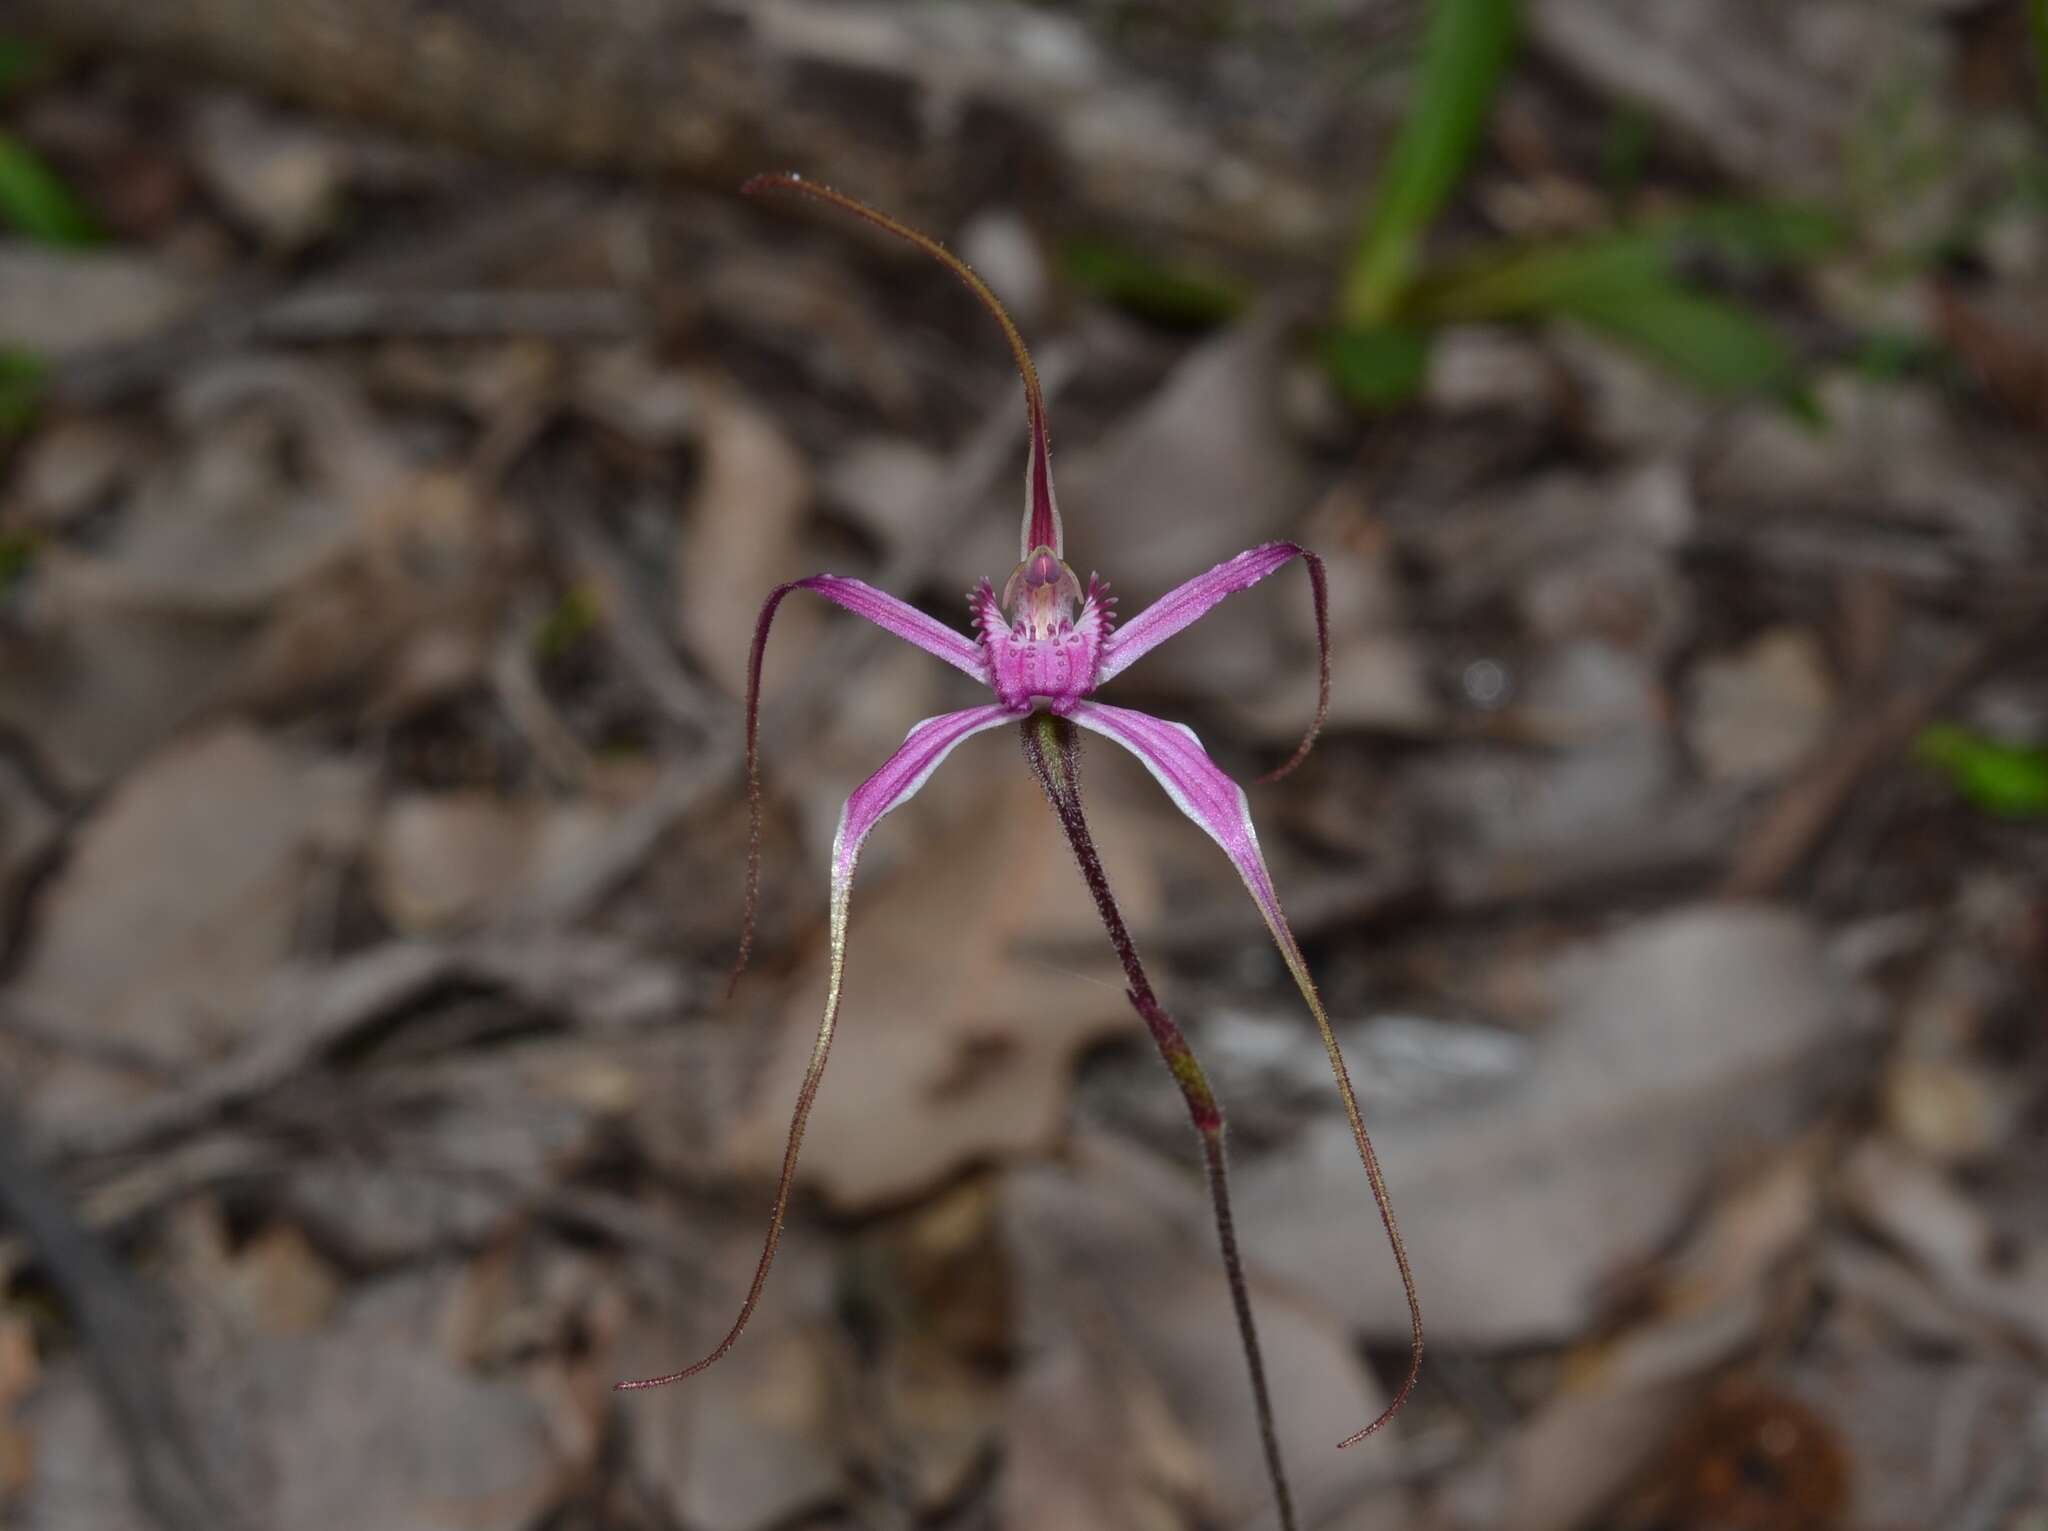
[927, 746]
[886, 612]
[1041, 510]
[1186, 604]
[1199, 788]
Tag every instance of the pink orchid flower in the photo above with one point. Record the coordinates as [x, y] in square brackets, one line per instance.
[1043, 647]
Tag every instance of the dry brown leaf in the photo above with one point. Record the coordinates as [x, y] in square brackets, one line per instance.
[956, 1040]
[1773, 95]
[444, 859]
[1983, 1269]
[278, 175]
[59, 302]
[1676, 1042]
[1115, 1243]
[741, 540]
[1201, 471]
[95, 683]
[1757, 712]
[1377, 675]
[223, 564]
[181, 897]
[753, 1441]
[365, 1423]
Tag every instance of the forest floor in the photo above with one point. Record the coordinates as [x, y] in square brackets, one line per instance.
[382, 530]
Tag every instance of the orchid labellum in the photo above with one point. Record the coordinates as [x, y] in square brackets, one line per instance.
[1043, 646]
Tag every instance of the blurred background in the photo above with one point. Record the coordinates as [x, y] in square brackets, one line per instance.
[401, 419]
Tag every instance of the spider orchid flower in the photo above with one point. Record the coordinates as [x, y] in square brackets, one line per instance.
[1043, 646]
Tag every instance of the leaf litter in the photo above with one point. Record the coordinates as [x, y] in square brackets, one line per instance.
[364, 928]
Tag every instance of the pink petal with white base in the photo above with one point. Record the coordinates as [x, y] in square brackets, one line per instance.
[926, 748]
[888, 613]
[1200, 789]
[1186, 604]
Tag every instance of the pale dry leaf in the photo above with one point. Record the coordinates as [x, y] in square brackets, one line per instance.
[1116, 1237]
[1092, 1444]
[1757, 712]
[1984, 1269]
[1202, 469]
[363, 1423]
[73, 464]
[1891, 451]
[56, 302]
[888, 487]
[278, 175]
[957, 1038]
[1377, 674]
[1774, 95]
[1675, 1042]
[741, 540]
[628, 389]
[180, 899]
[438, 860]
[755, 1440]
[95, 683]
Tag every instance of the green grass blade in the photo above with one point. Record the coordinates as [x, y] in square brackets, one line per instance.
[2007, 780]
[1464, 54]
[1535, 278]
[22, 381]
[35, 201]
[1179, 297]
[1378, 368]
[1710, 342]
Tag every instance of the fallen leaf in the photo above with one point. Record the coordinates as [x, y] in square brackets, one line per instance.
[58, 303]
[438, 860]
[1757, 712]
[1118, 1273]
[1202, 470]
[1674, 1041]
[279, 176]
[1774, 97]
[754, 1441]
[364, 1423]
[180, 898]
[1891, 451]
[1997, 1275]
[956, 1041]
[741, 538]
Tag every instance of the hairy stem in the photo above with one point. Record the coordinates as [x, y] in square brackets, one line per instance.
[1052, 746]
